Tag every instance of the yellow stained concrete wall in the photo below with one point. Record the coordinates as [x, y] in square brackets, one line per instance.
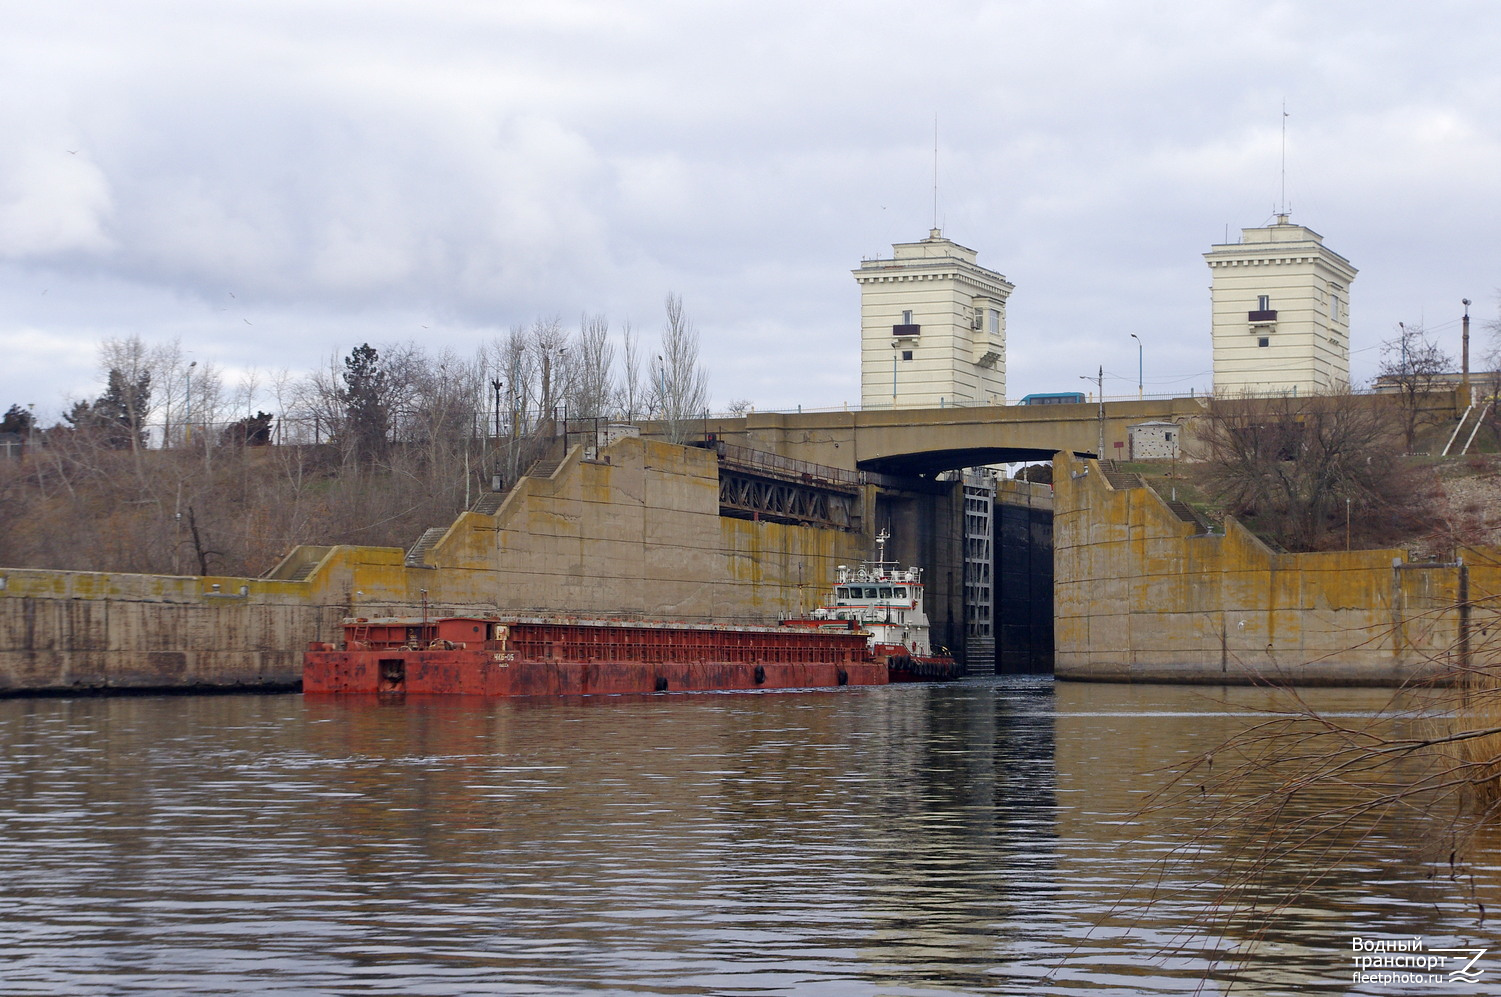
[635, 533]
[83, 630]
[1142, 596]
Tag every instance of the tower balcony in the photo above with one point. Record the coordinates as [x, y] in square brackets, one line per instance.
[906, 331]
[1262, 317]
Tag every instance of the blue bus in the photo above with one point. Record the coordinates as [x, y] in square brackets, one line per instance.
[1054, 398]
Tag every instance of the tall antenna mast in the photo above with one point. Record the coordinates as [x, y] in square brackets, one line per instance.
[935, 171]
[1282, 210]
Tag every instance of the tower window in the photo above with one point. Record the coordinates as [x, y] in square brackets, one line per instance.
[906, 354]
[1263, 341]
[1264, 302]
[907, 317]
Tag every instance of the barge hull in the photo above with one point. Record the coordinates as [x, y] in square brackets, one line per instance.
[478, 656]
[477, 673]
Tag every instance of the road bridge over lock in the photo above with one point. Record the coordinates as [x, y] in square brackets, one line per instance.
[985, 546]
[924, 442]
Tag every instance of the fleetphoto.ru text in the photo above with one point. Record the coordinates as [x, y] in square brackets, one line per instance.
[1412, 961]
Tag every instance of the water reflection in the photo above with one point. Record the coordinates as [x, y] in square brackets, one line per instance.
[902, 840]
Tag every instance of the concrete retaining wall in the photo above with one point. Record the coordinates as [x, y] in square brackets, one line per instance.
[81, 630]
[1142, 595]
[636, 533]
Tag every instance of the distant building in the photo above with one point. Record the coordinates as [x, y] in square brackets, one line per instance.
[1154, 440]
[1281, 312]
[1483, 382]
[932, 327]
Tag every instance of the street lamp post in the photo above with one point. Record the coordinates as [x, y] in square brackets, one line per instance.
[497, 384]
[1139, 379]
[1099, 380]
[187, 415]
[1466, 340]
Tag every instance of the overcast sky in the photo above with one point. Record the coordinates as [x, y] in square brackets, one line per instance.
[274, 181]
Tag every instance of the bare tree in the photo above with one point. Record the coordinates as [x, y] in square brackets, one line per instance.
[631, 400]
[167, 360]
[317, 403]
[681, 386]
[593, 382]
[245, 391]
[1487, 385]
[1413, 365]
[549, 345]
[205, 401]
[511, 363]
[1303, 470]
[1299, 782]
[282, 394]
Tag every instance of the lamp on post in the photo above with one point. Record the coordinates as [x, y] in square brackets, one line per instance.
[1099, 380]
[497, 384]
[1139, 379]
[187, 416]
[1466, 339]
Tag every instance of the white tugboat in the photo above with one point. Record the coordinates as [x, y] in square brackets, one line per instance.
[886, 601]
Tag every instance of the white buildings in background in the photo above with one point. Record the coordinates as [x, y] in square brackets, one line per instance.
[933, 321]
[932, 328]
[1281, 312]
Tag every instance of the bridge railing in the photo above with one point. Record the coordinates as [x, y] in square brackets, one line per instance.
[1090, 398]
[787, 466]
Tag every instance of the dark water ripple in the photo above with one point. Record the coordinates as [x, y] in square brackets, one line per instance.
[900, 841]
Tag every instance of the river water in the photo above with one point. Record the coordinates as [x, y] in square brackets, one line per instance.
[974, 838]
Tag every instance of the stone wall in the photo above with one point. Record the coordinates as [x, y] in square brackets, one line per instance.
[81, 630]
[635, 533]
[1142, 595]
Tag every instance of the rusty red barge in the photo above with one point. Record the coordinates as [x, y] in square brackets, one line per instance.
[518, 656]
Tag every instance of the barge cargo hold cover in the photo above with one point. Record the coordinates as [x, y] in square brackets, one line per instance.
[519, 656]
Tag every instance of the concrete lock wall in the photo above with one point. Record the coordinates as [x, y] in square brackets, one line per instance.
[84, 630]
[1144, 596]
[635, 533]
[1023, 578]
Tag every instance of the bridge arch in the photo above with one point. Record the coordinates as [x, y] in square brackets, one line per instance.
[927, 463]
[925, 441]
